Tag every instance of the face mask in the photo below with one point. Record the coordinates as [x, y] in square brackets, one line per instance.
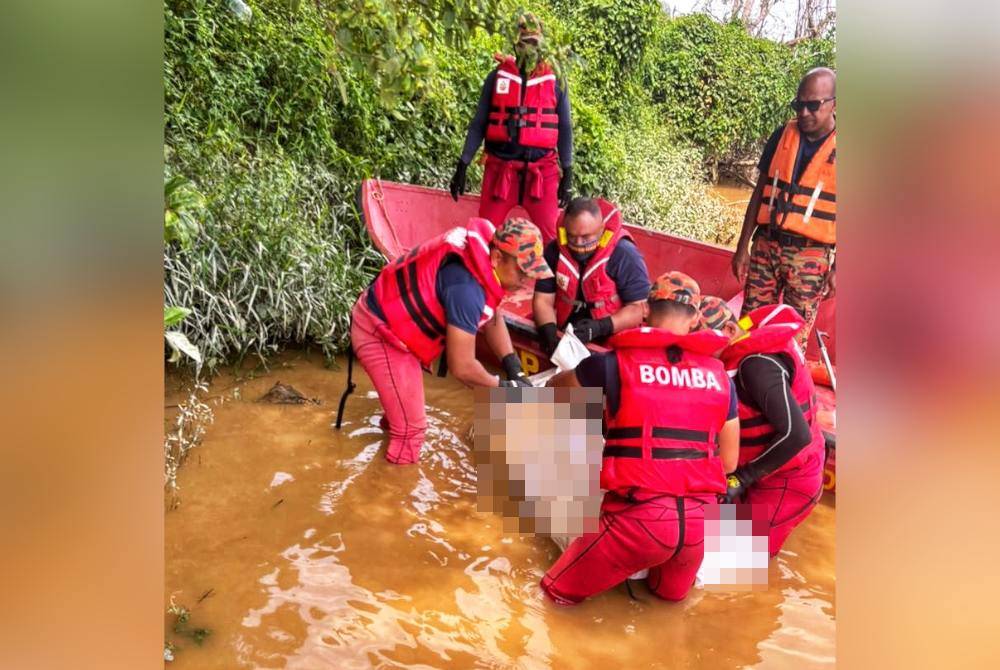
[527, 56]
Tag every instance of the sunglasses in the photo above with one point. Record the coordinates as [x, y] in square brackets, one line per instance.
[811, 105]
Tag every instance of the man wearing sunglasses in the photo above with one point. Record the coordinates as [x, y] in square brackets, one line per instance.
[601, 281]
[792, 215]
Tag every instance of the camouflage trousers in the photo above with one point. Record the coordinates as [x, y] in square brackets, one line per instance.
[790, 273]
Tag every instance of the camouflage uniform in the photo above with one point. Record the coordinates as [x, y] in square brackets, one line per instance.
[793, 273]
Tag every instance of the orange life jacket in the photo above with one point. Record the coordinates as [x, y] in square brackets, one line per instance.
[599, 289]
[523, 111]
[809, 206]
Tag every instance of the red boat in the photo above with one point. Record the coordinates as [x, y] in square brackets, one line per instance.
[400, 216]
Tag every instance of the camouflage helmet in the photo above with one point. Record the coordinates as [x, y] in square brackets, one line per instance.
[521, 239]
[676, 286]
[714, 313]
[527, 25]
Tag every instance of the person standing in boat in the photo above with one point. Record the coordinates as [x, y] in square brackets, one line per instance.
[435, 299]
[672, 434]
[781, 442]
[792, 215]
[601, 281]
[524, 116]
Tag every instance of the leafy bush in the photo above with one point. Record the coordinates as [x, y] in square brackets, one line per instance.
[273, 121]
[722, 89]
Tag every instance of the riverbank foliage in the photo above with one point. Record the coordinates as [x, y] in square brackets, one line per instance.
[274, 116]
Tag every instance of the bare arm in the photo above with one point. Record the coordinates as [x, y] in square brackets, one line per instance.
[543, 306]
[497, 336]
[567, 378]
[629, 316]
[741, 259]
[461, 351]
[729, 444]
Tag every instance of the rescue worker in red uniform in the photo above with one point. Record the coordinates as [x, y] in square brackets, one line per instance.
[524, 116]
[435, 299]
[671, 435]
[601, 281]
[781, 443]
[792, 215]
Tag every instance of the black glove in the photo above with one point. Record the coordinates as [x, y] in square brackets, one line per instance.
[589, 330]
[512, 368]
[548, 338]
[566, 186]
[457, 186]
[518, 381]
[737, 483]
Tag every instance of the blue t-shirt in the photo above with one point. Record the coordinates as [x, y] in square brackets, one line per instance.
[626, 267]
[601, 371]
[458, 291]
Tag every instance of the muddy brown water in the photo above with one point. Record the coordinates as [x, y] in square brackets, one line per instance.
[317, 553]
[735, 195]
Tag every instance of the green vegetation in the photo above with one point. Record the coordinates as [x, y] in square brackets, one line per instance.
[273, 119]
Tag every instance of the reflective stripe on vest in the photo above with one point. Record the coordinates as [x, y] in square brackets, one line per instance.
[600, 293]
[663, 437]
[523, 112]
[809, 206]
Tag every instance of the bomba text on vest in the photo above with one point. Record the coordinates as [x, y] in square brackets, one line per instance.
[694, 378]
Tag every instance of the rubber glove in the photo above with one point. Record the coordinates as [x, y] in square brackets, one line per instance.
[458, 181]
[589, 330]
[737, 483]
[566, 186]
[548, 338]
[512, 368]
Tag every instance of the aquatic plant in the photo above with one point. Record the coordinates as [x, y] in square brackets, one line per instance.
[187, 431]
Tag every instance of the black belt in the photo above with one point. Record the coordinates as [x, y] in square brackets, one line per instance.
[785, 238]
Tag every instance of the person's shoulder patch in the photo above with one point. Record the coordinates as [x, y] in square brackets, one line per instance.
[503, 85]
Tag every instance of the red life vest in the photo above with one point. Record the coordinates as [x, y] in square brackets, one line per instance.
[523, 112]
[599, 290]
[664, 437]
[773, 331]
[406, 288]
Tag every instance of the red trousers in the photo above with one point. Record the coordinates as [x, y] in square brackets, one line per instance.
[789, 496]
[397, 377]
[665, 534]
[502, 185]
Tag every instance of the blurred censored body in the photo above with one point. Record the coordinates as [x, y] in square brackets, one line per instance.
[792, 215]
[661, 467]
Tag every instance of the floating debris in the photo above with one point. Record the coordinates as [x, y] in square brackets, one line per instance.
[283, 394]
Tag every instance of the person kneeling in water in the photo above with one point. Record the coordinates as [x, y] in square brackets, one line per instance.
[781, 442]
[672, 434]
